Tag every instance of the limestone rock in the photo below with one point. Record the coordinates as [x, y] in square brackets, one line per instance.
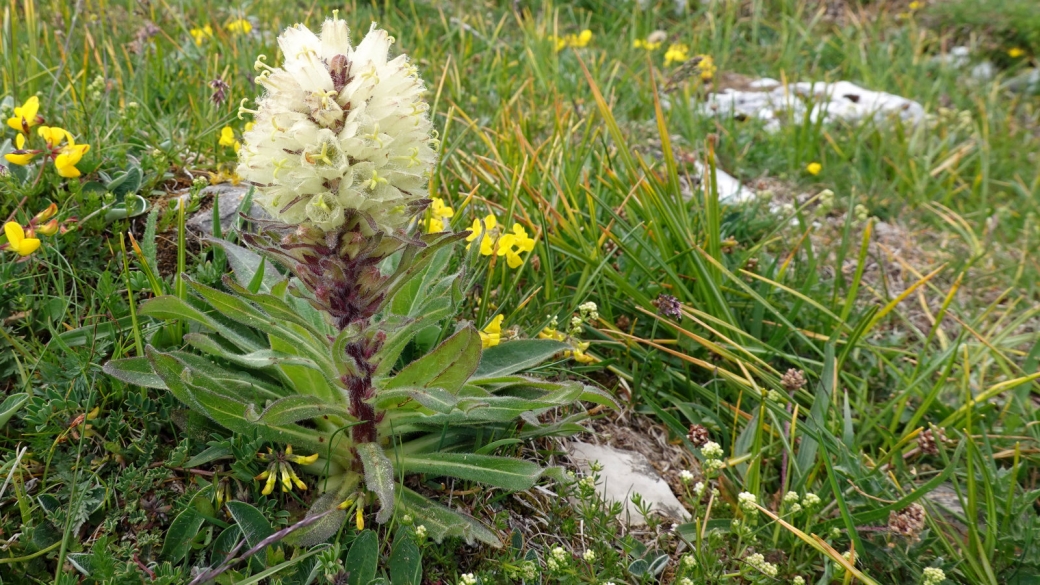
[625, 473]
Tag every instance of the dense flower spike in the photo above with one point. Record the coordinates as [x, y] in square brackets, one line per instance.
[339, 128]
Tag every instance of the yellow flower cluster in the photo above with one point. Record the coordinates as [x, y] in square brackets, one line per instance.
[646, 44]
[60, 146]
[576, 41]
[201, 34]
[239, 26]
[588, 313]
[676, 53]
[280, 463]
[706, 67]
[492, 333]
[495, 243]
[439, 212]
[22, 240]
[813, 168]
[1016, 52]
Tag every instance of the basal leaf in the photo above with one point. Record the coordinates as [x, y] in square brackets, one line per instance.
[252, 522]
[405, 563]
[442, 522]
[136, 370]
[515, 356]
[300, 407]
[435, 399]
[505, 472]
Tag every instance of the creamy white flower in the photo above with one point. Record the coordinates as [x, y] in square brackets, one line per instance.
[747, 501]
[686, 476]
[339, 128]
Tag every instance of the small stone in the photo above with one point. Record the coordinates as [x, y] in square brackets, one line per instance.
[626, 473]
[229, 200]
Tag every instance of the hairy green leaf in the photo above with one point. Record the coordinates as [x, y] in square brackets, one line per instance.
[379, 477]
[505, 472]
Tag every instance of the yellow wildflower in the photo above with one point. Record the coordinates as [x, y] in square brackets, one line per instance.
[65, 156]
[578, 353]
[676, 53]
[239, 26]
[813, 168]
[1016, 52]
[551, 333]
[20, 156]
[645, 44]
[280, 463]
[201, 34]
[518, 240]
[227, 138]
[438, 213]
[48, 229]
[359, 519]
[572, 40]
[581, 40]
[492, 333]
[914, 5]
[18, 241]
[707, 67]
[46, 214]
[487, 245]
[25, 117]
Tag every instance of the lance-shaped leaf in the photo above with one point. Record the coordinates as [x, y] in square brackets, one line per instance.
[204, 395]
[296, 408]
[448, 366]
[261, 358]
[442, 522]
[379, 477]
[275, 307]
[136, 370]
[515, 356]
[170, 307]
[245, 263]
[400, 331]
[505, 472]
[241, 311]
[435, 399]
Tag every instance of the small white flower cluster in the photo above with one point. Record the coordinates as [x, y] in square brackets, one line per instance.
[774, 396]
[759, 562]
[685, 581]
[698, 489]
[810, 500]
[467, 579]
[747, 502]
[791, 502]
[587, 312]
[338, 128]
[932, 576]
[685, 476]
[798, 580]
[712, 452]
[589, 556]
[557, 559]
[689, 561]
[420, 532]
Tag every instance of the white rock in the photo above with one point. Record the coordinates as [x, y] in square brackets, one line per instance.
[625, 473]
[830, 102]
[731, 190]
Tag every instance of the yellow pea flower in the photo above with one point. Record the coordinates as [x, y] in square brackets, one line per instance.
[676, 53]
[280, 465]
[813, 168]
[1016, 52]
[492, 333]
[65, 156]
[438, 213]
[707, 67]
[25, 116]
[48, 229]
[47, 213]
[65, 163]
[239, 26]
[582, 39]
[646, 44]
[18, 241]
[20, 156]
[359, 519]
[487, 244]
[518, 240]
[227, 138]
[201, 34]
